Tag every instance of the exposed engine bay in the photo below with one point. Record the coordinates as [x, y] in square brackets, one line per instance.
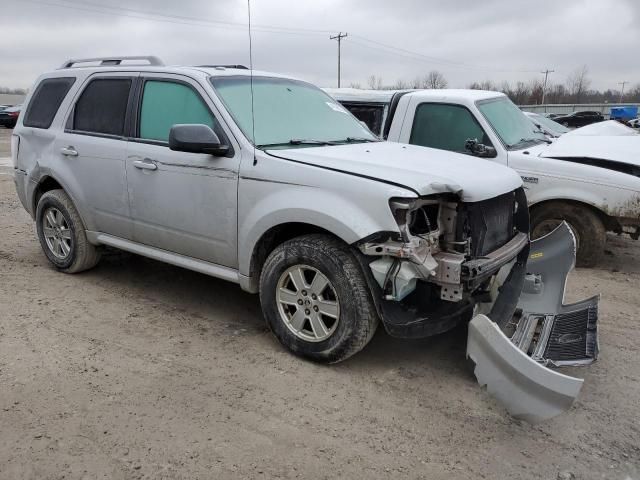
[455, 262]
[445, 259]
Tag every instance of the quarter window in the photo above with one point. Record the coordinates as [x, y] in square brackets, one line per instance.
[46, 101]
[165, 104]
[102, 107]
[446, 127]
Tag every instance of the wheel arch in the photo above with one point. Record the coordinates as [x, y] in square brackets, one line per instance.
[272, 238]
[610, 223]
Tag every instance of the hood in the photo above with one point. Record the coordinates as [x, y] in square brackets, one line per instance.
[424, 170]
[608, 128]
[615, 148]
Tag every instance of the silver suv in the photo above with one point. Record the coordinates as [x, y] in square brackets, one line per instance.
[268, 182]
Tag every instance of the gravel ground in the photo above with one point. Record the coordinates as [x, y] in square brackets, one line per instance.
[141, 370]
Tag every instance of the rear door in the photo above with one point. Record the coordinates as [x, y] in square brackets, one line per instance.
[92, 151]
[185, 203]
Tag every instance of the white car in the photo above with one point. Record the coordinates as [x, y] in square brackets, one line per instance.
[635, 123]
[589, 177]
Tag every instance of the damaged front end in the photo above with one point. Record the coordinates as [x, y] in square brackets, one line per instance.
[455, 262]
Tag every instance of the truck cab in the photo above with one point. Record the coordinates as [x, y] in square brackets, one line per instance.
[590, 181]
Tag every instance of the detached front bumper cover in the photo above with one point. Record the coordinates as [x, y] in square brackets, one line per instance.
[512, 360]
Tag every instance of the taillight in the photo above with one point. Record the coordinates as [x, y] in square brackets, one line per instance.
[15, 146]
[14, 114]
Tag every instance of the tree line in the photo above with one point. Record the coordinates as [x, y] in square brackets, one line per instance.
[575, 89]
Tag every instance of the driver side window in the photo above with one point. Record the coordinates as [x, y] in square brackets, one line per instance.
[446, 127]
[167, 103]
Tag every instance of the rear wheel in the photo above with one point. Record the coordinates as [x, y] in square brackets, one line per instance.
[586, 225]
[316, 300]
[62, 234]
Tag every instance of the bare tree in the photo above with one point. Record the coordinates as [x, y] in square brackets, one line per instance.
[578, 83]
[435, 79]
[374, 82]
[355, 85]
[401, 85]
[535, 92]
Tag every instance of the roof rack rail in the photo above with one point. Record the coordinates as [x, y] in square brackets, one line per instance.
[239, 67]
[113, 61]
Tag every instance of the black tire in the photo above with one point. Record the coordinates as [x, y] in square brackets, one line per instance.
[358, 318]
[82, 255]
[587, 226]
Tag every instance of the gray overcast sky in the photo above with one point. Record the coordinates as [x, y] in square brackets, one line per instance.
[466, 40]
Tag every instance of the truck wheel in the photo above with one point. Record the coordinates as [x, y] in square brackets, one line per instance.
[62, 235]
[316, 300]
[586, 225]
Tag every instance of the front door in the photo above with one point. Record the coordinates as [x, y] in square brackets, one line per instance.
[185, 203]
[446, 126]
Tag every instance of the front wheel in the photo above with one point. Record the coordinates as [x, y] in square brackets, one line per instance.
[587, 226]
[316, 300]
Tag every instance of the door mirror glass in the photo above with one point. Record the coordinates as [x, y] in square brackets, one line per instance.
[479, 149]
[196, 138]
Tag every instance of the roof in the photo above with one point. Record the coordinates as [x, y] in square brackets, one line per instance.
[384, 96]
[89, 66]
[360, 95]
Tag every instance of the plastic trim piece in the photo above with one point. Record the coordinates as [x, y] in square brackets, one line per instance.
[528, 390]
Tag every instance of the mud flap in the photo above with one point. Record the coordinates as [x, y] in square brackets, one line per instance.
[513, 361]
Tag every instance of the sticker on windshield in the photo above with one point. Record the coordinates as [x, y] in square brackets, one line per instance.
[335, 107]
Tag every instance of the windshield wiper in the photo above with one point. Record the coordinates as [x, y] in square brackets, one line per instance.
[300, 141]
[296, 141]
[527, 140]
[357, 139]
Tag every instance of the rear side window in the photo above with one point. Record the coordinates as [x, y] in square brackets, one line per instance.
[46, 101]
[446, 127]
[102, 106]
[165, 104]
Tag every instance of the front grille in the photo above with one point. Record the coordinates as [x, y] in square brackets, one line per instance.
[489, 223]
[573, 336]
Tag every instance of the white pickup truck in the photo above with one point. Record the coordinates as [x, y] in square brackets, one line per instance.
[590, 181]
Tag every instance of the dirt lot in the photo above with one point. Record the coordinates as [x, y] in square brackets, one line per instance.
[141, 370]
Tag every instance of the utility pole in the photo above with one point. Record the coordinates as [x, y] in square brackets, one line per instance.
[622, 90]
[544, 85]
[339, 38]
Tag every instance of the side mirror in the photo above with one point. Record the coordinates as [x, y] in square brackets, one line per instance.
[480, 149]
[195, 138]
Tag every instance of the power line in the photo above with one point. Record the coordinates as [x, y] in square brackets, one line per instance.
[339, 38]
[544, 85]
[204, 22]
[622, 91]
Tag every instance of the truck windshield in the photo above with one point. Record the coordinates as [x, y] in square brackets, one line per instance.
[554, 127]
[288, 113]
[512, 126]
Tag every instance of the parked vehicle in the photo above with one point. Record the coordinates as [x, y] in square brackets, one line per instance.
[579, 119]
[635, 123]
[550, 128]
[9, 116]
[590, 181]
[266, 181]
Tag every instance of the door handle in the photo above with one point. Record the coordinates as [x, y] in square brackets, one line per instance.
[142, 165]
[69, 151]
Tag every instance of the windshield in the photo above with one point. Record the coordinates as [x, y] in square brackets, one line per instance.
[510, 123]
[548, 124]
[288, 113]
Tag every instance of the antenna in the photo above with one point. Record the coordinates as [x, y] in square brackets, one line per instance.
[253, 118]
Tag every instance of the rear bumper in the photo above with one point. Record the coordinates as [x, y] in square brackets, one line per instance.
[512, 358]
